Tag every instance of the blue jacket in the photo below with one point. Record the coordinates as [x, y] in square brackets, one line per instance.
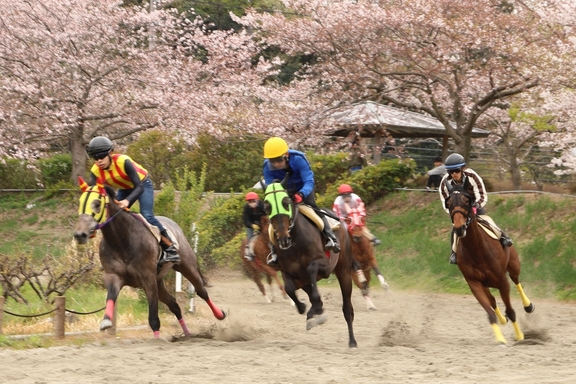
[301, 178]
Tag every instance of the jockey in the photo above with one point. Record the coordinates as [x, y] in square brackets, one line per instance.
[279, 160]
[252, 214]
[459, 174]
[132, 182]
[346, 201]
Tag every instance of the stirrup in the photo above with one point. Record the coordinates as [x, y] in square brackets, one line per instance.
[376, 241]
[169, 255]
[452, 258]
[331, 245]
[272, 259]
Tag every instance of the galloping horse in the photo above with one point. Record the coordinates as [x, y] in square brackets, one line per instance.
[302, 259]
[129, 254]
[484, 263]
[363, 253]
[260, 251]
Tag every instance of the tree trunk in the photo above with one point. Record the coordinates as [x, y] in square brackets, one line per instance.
[77, 147]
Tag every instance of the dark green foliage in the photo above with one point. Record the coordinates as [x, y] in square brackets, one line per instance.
[372, 183]
[328, 169]
[161, 155]
[56, 169]
[17, 174]
[219, 225]
[232, 164]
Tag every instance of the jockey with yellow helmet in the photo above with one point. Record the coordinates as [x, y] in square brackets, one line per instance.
[280, 160]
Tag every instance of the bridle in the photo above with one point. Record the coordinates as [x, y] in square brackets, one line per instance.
[275, 194]
[465, 210]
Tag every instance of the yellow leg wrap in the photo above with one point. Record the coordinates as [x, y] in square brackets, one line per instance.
[501, 318]
[519, 335]
[498, 334]
[525, 299]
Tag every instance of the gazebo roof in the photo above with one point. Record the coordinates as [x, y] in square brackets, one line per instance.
[367, 117]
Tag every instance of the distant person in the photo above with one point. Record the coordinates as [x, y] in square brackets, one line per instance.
[458, 174]
[251, 216]
[132, 183]
[435, 174]
[346, 201]
[357, 158]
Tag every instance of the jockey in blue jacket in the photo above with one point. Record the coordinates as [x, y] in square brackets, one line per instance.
[280, 160]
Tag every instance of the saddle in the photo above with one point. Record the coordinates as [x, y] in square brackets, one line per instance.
[311, 214]
[156, 232]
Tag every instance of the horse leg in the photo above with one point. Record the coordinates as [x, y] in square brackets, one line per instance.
[173, 305]
[312, 317]
[383, 282]
[366, 292]
[514, 272]
[113, 285]
[480, 295]
[255, 274]
[505, 294]
[290, 289]
[194, 277]
[343, 275]
[499, 315]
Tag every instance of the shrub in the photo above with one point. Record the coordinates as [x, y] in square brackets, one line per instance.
[17, 174]
[56, 169]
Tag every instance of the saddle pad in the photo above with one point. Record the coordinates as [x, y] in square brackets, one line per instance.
[309, 213]
[489, 226]
[252, 243]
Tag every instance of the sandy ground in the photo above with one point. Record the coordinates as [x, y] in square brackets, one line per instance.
[412, 338]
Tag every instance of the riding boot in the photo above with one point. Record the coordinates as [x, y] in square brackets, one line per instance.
[170, 253]
[247, 254]
[376, 241]
[332, 241]
[505, 240]
[272, 259]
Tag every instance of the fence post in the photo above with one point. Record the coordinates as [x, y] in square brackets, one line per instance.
[1, 312]
[60, 317]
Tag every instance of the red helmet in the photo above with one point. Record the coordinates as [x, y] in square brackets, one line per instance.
[252, 196]
[344, 188]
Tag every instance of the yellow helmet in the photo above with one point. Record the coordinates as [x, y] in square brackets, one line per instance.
[275, 147]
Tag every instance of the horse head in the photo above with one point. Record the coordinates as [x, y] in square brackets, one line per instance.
[459, 204]
[280, 210]
[92, 210]
[355, 223]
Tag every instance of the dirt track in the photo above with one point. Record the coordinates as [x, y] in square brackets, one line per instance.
[412, 338]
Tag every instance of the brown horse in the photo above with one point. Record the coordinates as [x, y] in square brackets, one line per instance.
[303, 261]
[129, 254]
[484, 263]
[363, 253]
[258, 266]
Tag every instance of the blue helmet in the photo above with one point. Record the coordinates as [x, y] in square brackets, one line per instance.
[454, 161]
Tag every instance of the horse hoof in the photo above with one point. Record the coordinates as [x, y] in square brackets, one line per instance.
[321, 319]
[311, 323]
[530, 308]
[105, 324]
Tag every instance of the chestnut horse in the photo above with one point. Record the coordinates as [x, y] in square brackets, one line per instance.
[363, 253]
[129, 254]
[484, 263]
[260, 250]
[303, 261]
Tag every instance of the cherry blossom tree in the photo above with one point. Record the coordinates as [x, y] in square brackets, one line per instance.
[453, 60]
[76, 69]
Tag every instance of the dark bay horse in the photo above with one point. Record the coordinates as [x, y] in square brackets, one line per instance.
[484, 263]
[363, 253]
[303, 261]
[129, 254]
[258, 266]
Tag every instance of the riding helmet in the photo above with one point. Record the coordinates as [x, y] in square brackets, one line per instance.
[454, 161]
[275, 147]
[252, 196]
[99, 144]
[344, 189]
